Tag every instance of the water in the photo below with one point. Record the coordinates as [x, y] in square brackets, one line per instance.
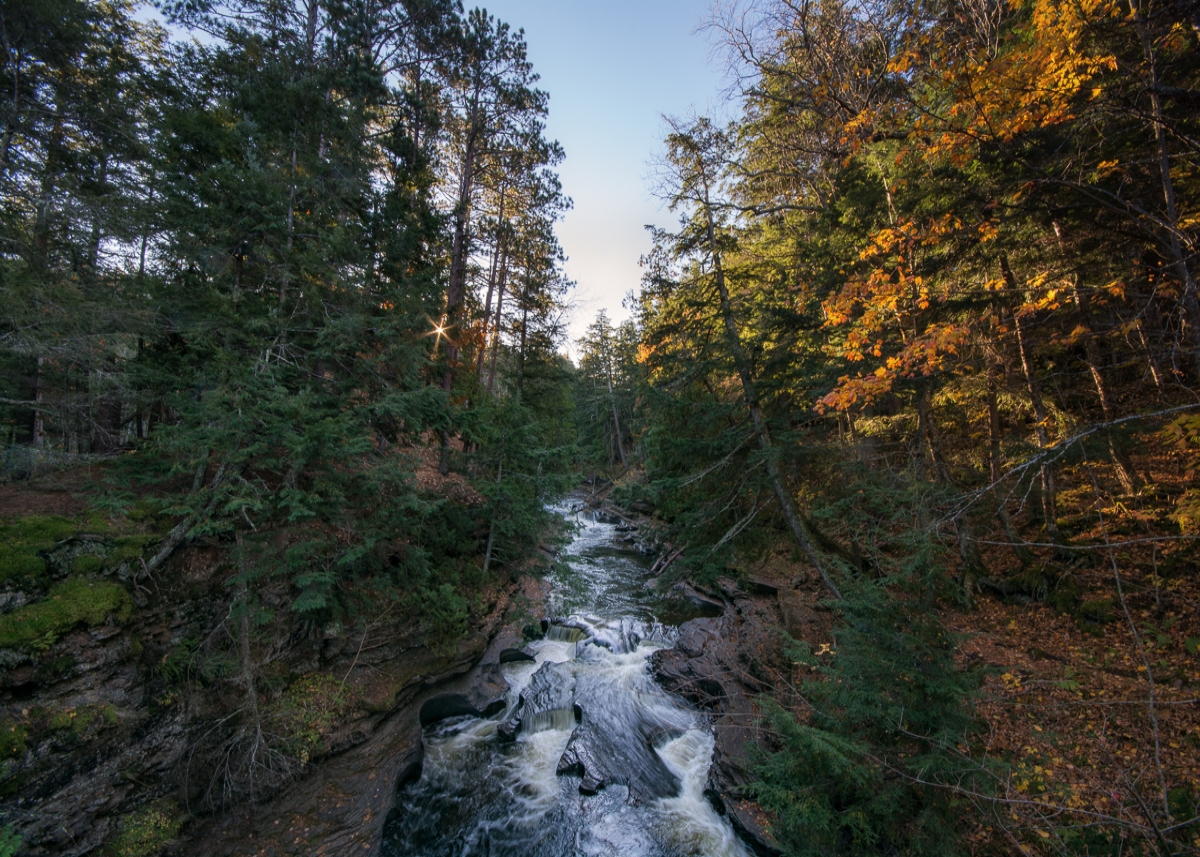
[604, 762]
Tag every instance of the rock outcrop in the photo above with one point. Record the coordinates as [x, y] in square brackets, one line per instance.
[721, 664]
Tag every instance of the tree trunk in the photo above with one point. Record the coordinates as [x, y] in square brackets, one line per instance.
[745, 373]
[973, 566]
[495, 281]
[1131, 482]
[491, 381]
[37, 435]
[995, 462]
[487, 554]
[457, 286]
[612, 400]
[1040, 416]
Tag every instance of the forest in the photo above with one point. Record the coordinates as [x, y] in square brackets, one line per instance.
[282, 322]
[927, 327]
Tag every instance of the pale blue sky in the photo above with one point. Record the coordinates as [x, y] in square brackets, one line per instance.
[613, 68]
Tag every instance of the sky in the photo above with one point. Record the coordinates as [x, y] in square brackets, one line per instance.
[613, 68]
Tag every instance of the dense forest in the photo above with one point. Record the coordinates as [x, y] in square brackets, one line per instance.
[283, 282]
[256, 262]
[927, 328]
[281, 319]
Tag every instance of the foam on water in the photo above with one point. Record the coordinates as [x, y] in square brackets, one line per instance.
[693, 823]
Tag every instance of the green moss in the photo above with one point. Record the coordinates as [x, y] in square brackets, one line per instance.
[61, 720]
[144, 510]
[87, 563]
[10, 843]
[77, 721]
[1098, 611]
[1065, 595]
[146, 831]
[15, 565]
[311, 708]
[70, 603]
[131, 547]
[22, 539]
[12, 739]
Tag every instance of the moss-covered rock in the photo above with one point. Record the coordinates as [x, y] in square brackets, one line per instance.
[311, 708]
[78, 600]
[22, 540]
[1095, 613]
[1065, 594]
[147, 831]
[87, 563]
[12, 739]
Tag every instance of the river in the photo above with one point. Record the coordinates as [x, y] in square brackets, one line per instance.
[590, 757]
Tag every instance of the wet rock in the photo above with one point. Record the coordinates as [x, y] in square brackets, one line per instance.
[514, 656]
[494, 707]
[551, 689]
[711, 664]
[695, 668]
[760, 586]
[446, 706]
[698, 598]
[619, 750]
[509, 729]
[411, 772]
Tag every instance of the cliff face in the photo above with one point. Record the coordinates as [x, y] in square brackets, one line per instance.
[126, 726]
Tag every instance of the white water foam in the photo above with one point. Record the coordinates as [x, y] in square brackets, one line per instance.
[694, 825]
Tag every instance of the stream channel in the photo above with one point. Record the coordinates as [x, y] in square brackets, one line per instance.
[590, 756]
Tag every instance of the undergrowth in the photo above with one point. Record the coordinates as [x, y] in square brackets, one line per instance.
[867, 770]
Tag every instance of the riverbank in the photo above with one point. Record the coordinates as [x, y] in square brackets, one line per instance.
[120, 723]
[340, 806]
[1073, 683]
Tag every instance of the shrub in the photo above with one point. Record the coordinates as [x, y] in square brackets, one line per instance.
[308, 710]
[444, 615]
[70, 603]
[871, 770]
[12, 739]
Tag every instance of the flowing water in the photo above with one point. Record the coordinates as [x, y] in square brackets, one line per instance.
[604, 763]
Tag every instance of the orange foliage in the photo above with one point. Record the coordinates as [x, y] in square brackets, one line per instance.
[888, 304]
[1036, 82]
